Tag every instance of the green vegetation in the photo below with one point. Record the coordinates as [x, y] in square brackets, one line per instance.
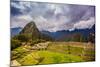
[57, 52]
[36, 41]
[21, 37]
[30, 47]
[48, 57]
[19, 53]
[15, 43]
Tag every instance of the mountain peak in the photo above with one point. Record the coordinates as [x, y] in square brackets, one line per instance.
[30, 28]
[32, 32]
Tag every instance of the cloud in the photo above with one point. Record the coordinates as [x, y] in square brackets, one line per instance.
[85, 23]
[52, 17]
[20, 20]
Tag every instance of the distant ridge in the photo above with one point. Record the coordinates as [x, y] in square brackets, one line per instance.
[66, 35]
[15, 31]
[32, 31]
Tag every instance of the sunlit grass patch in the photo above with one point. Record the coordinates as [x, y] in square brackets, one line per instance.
[48, 57]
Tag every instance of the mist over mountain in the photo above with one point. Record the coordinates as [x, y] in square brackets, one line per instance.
[66, 35]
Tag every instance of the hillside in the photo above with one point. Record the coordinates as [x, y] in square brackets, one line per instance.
[55, 52]
[32, 31]
[75, 35]
[33, 47]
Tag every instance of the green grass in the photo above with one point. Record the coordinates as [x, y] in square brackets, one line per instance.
[57, 52]
[19, 53]
[63, 48]
[48, 58]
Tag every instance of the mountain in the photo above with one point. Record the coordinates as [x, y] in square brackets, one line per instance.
[83, 32]
[15, 31]
[32, 32]
[66, 35]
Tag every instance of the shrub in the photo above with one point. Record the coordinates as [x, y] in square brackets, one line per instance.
[22, 37]
[57, 59]
[39, 59]
[35, 42]
[15, 44]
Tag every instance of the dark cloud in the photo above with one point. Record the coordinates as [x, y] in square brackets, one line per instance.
[55, 16]
[15, 11]
[77, 12]
[90, 12]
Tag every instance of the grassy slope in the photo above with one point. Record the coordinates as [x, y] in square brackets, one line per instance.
[48, 58]
[57, 52]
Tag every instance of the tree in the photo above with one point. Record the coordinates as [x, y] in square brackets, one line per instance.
[91, 37]
[15, 44]
[22, 37]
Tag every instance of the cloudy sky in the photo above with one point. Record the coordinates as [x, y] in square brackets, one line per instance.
[52, 17]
